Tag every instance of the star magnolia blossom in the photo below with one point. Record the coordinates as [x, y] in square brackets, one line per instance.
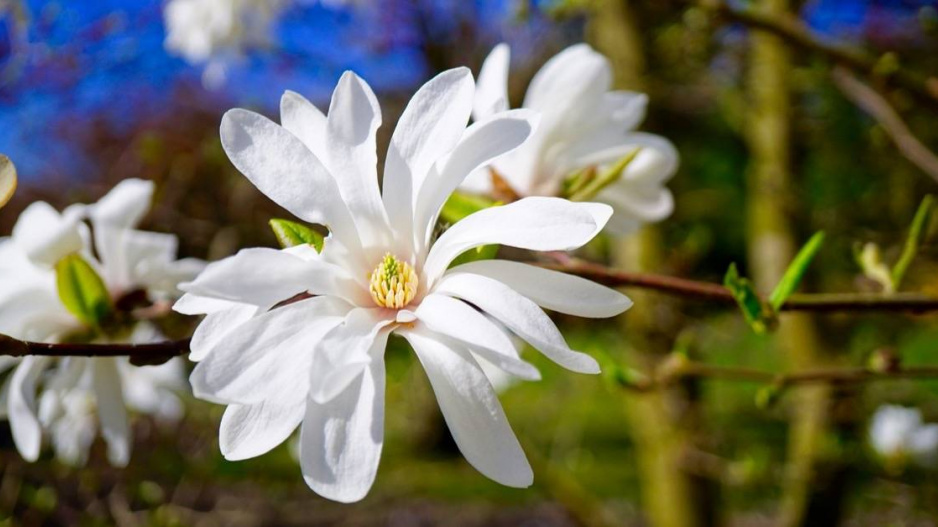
[583, 124]
[60, 397]
[898, 432]
[213, 32]
[318, 363]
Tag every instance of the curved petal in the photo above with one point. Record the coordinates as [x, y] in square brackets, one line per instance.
[281, 167]
[345, 351]
[455, 319]
[265, 277]
[571, 80]
[248, 431]
[125, 205]
[535, 223]
[431, 125]
[115, 427]
[549, 289]
[482, 142]
[491, 95]
[341, 440]
[302, 119]
[472, 411]
[269, 356]
[215, 327]
[192, 304]
[46, 236]
[655, 163]
[351, 130]
[519, 314]
[625, 109]
[24, 423]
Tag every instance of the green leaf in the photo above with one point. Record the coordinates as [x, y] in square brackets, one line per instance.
[756, 312]
[290, 234]
[917, 233]
[460, 205]
[485, 252]
[81, 290]
[795, 272]
[590, 189]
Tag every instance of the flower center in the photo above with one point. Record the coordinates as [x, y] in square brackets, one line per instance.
[393, 283]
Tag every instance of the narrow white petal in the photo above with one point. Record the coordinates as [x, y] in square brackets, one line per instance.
[352, 126]
[24, 424]
[302, 119]
[125, 205]
[552, 290]
[281, 167]
[46, 236]
[456, 319]
[491, 95]
[472, 412]
[571, 80]
[269, 356]
[264, 277]
[115, 427]
[535, 223]
[248, 431]
[655, 163]
[215, 327]
[341, 440]
[191, 304]
[519, 314]
[344, 352]
[431, 125]
[482, 142]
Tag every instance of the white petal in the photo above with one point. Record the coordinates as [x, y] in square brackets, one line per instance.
[248, 431]
[112, 412]
[552, 290]
[46, 236]
[655, 163]
[535, 223]
[352, 126]
[125, 205]
[264, 277]
[345, 351]
[341, 440]
[519, 314]
[482, 142]
[625, 108]
[190, 304]
[302, 119]
[267, 357]
[431, 125]
[215, 327]
[491, 95]
[456, 319]
[281, 167]
[24, 424]
[472, 411]
[571, 80]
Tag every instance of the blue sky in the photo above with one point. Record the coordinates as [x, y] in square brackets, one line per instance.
[106, 59]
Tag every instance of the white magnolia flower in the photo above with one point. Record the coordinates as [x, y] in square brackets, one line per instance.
[318, 363]
[583, 124]
[214, 32]
[61, 396]
[898, 433]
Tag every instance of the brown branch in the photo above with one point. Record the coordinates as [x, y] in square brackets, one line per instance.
[871, 102]
[160, 352]
[795, 33]
[717, 294]
[686, 369]
[140, 354]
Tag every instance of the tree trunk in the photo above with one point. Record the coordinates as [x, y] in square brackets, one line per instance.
[810, 497]
[663, 423]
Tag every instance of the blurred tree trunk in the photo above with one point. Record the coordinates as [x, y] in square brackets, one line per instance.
[810, 496]
[663, 423]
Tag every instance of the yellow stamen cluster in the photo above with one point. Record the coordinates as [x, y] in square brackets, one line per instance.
[393, 283]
